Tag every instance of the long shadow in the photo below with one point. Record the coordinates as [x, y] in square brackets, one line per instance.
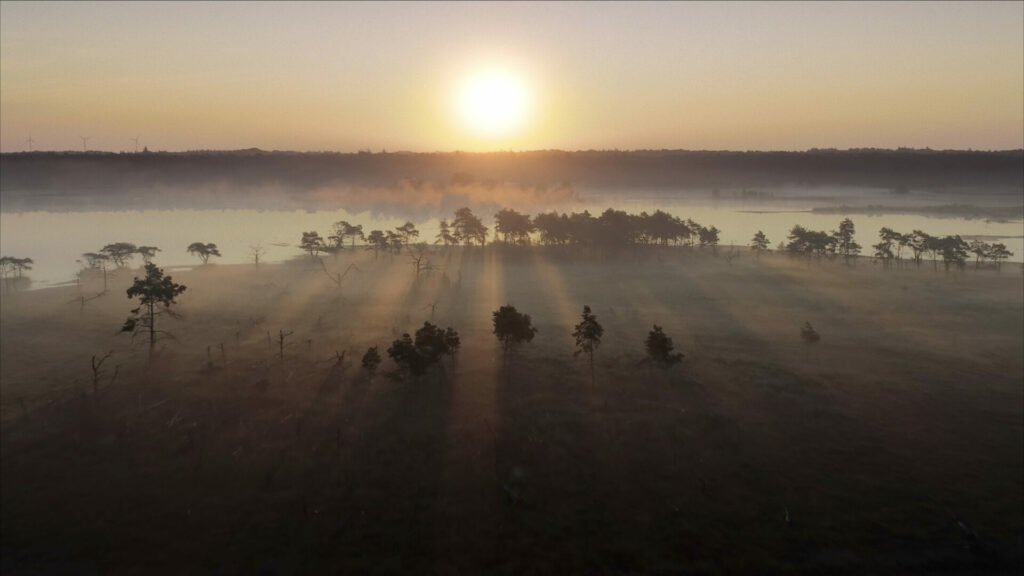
[467, 512]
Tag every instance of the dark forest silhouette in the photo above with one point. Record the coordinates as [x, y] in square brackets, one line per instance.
[75, 180]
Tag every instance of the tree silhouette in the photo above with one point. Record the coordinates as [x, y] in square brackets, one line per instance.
[997, 253]
[588, 337]
[156, 294]
[395, 241]
[512, 327]
[919, 243]
[468, 228]
[256, 251]
[514, 227]
[809, 242]
[148, 253]
[431, 344]
[419, 258]
[884, 249]
[97, 260]
[759, 243]
[342, 230]
[444, 235]
[953, 250]
[120, 252]
[809, 335]
[552, 227]
[407, 232]
[980, 250]
[843, 242]
[659, 347]
[312, 242]
[371, 360]
[709, 237]
[203, 251]
[377, 241]
[9, 264]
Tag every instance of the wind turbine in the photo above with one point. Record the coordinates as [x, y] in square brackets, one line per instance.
[30, 141]
[85, 140]
[136, 140]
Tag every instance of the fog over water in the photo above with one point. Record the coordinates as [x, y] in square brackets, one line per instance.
[56, 240]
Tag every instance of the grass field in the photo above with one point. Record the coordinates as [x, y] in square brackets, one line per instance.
[893, 445]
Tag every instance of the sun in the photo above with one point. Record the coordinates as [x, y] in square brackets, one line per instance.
[493, 103]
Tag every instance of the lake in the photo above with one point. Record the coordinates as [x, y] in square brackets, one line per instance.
[56, 240]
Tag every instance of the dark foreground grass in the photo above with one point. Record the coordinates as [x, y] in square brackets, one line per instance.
[887, 448]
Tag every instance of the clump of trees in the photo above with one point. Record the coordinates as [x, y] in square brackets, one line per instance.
[430, 345]
[616, 228]
[659, 348]
[313, 243]
[120, 253]
[203, 251]
[156, 294]
[343, 230]
[996, 252]
[804, 242]
[513, 227]
[953, 250]
[10, 265]
[467, 228]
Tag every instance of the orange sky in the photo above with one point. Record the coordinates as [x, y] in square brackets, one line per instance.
[340, 76]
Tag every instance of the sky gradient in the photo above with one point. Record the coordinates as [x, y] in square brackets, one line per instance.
[345, 77]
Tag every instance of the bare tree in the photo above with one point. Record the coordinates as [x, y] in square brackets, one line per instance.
[419, 257]
[281, 345]
[338, 277]
[97, 372]
[256, 251]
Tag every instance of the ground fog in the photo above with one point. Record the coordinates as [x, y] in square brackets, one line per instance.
[892, 444]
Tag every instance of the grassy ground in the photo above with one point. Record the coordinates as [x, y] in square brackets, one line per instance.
[756, 454]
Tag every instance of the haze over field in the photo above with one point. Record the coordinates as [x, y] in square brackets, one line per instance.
[512, 288]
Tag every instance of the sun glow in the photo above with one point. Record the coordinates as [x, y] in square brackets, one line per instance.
[493, 104]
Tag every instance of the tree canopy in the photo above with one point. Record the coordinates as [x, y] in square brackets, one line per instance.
[203, 251]
[512, 327]
[659, 347]
[430, 345]
[156, 293]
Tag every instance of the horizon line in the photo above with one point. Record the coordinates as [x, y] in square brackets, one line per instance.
[385, 152]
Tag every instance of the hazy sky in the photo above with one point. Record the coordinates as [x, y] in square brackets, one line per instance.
[341, 76]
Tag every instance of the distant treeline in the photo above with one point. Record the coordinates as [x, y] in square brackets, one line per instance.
[63, 173]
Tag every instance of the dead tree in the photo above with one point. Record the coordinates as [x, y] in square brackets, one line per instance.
[338, 277]
[97, 371]
[418, 257]
[281, 336]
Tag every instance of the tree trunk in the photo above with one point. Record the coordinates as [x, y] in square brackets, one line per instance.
[152, 329]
